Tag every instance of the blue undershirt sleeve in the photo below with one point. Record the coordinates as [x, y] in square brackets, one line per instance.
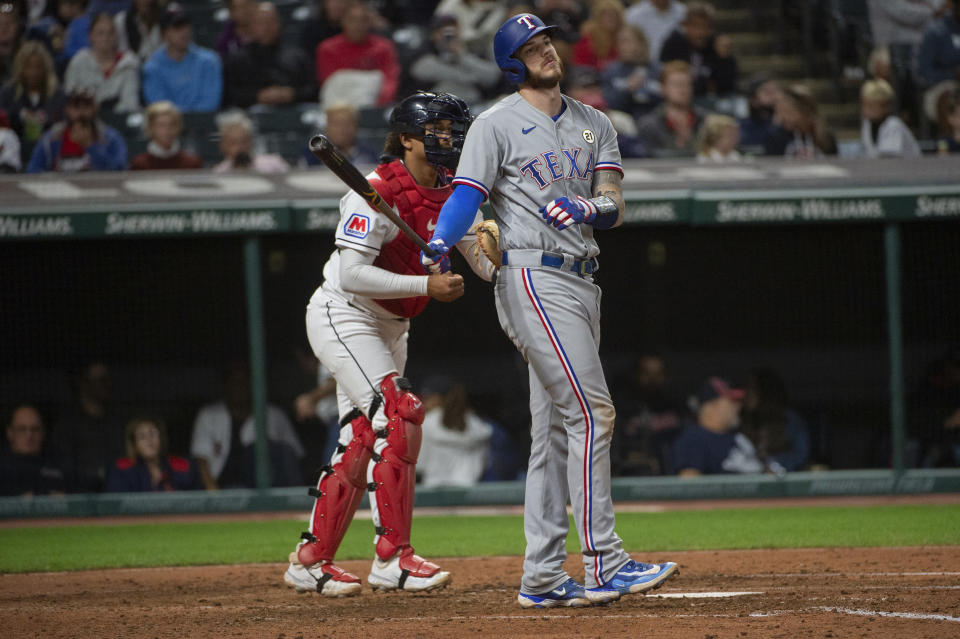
[457, 214]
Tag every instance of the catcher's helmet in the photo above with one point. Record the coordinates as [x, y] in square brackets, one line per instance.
[422, 107]
[512, 35]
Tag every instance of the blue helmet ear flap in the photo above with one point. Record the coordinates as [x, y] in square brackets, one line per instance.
[514, 70]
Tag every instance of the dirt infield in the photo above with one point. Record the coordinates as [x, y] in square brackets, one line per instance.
[879, 592]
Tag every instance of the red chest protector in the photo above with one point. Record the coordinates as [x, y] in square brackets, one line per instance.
[419, 207]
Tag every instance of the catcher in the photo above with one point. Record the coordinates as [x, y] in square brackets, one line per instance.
[357, 324]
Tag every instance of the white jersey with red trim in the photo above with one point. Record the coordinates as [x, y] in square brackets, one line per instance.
[521, 158]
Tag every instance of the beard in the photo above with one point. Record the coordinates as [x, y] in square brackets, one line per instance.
[546, 81]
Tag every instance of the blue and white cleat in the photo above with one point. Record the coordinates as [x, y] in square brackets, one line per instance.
[569, 594]
[635, 577]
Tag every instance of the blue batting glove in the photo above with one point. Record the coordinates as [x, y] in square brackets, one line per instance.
[562, 212]
[439, 263]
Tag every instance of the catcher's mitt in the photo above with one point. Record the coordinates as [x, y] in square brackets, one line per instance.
[488, 241]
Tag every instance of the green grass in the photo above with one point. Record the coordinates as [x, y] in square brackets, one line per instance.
[31, 549]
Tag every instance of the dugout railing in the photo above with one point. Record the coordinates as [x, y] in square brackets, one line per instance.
[823, 208]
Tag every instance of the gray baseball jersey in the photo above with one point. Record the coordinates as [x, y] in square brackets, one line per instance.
[522, 159]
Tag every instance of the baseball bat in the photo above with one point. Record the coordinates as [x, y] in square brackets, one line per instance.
[344, 169]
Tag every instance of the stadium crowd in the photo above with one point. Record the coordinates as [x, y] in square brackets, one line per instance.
[151, 84]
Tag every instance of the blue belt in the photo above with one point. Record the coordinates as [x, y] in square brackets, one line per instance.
[580, 267]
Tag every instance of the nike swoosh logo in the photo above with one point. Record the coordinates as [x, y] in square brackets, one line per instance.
[525, 131]
[431, 225]
[560, 591]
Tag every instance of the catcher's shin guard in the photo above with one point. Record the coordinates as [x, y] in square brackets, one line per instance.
[392, 475]
[338, 493]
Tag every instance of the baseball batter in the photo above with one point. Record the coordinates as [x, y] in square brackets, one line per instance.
[550, 167]
[357, 323]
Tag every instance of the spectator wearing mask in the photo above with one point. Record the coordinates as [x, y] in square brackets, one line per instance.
[711, 58]
[32, 98]
[597, 47]
[630, 83]
[882, 133]
[268, 70]
[147, 467]
[180, 71]
[236, 145]
[808, 137]
[358, 49]
[450, 68]
[24, 468]
[670, 129]
[81, 142]
[718, 139]
[163, 126]
[114, 75]
[658, 19]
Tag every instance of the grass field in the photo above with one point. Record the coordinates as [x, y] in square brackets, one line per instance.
[50, 548]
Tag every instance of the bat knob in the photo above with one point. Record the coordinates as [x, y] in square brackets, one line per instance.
[319, 142]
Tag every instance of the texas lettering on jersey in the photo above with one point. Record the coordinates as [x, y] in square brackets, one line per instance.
[570, 164]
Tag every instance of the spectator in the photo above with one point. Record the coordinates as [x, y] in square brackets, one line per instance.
[10, 161]
[882, 133]
[224, 435]
[712, 445]
[798, 113]
[32, 98]
[268, 70]
[81, 142]
[935, 414]
[584, 84]
[236, 145]
[138, 28]
[951, 143]
[568, 17]
[24, 468]
[357, 49]
[650, 420]
[670, 129]
[657, 19]
[323, 24]
[899, 25]
[52, 29]
[711, 58]
[449, 68]
[479, 21]
[718, 139]
[10, 37]
[758, 130]
[320, 403]
[342, 125]
[114, 75]
[629, 82]
[180, 71]
[163, 126]
[147, 466]
[780, 435]
[597, 47]
[238, 31]
[89, 434]
[456, 442]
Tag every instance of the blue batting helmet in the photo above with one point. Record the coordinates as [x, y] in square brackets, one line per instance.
[512, 35]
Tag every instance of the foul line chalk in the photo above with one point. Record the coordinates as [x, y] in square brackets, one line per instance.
[699, 595]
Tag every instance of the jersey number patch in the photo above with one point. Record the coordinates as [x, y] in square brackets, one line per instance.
[357, 226]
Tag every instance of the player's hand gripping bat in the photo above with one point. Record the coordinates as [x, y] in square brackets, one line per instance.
[330, 155]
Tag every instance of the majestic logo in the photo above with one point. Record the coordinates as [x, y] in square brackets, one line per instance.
[588, 136]
[357, 226]
[431, 225]
[525, 131]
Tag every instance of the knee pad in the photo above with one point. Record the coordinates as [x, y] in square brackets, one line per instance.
[404, 412]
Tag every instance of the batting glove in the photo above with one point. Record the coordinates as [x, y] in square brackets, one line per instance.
[563, 212]
[439, 263]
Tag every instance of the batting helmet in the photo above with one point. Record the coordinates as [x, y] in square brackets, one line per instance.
[512, 35]
[422, 107]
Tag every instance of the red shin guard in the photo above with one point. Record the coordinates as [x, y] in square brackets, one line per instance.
[338, 494]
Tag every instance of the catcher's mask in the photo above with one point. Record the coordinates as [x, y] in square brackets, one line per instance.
[423, 107]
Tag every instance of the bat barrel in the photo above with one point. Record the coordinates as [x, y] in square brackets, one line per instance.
[319, 142]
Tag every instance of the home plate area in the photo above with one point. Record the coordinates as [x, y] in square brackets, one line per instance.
[817, 593]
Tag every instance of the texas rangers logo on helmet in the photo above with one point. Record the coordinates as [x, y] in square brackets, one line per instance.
[525, 18]
[357, 225]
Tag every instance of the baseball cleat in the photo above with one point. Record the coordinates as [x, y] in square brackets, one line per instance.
[569, 594]
[635, 577]
[325, 578]
[406, 571]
